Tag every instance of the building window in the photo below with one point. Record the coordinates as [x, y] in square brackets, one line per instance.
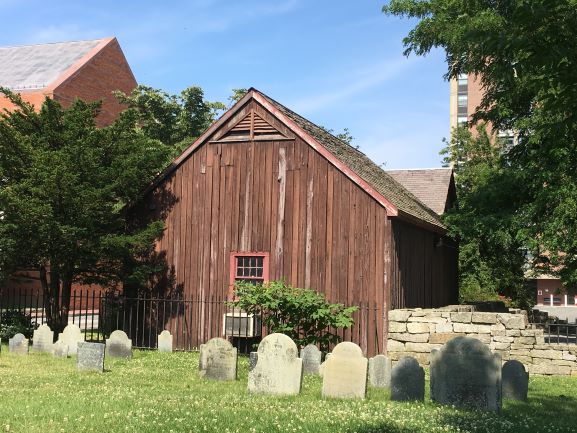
[462, 120]
[462, 100]
[249, 267]
[539, 292]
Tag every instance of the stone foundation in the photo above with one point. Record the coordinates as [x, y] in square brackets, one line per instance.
[415, 332]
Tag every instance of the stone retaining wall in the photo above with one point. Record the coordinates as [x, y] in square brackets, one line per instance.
[415, 332]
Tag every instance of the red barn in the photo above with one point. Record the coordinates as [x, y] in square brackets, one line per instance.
[265, 194]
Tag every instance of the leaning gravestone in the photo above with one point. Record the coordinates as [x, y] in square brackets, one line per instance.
[380, 371]
[311, 357]
[165, 342]
[90, 356]
[43, 339]
[218, 360]
[278, 369]
[71, 336]
[18, 344]
[119, 345]
[407, 380]
[465, 373]
[60, 349]
[515, 380]
[345, 372]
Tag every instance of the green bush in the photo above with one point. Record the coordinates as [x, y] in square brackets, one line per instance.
[302, 314]
[14, 322]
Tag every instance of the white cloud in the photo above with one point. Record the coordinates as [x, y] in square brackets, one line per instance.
[63, 33]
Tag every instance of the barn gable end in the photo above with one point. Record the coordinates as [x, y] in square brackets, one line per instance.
[259, 183]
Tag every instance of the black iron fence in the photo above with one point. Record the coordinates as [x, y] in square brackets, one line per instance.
[191, 321]
[555, 330]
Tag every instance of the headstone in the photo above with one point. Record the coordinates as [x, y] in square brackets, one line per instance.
[43, 339]
[252, 360]
[71, 335]
[278, 369]
[90, 356]
[407, 380]
[217, 360]
[311, 357]
[60, 349]
[165, 342]
[515, 380]
[345, 372]
[119, 345]
[465, 373]
[18, 344]
[380, 371]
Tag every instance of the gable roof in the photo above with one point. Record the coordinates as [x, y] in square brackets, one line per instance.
[432, 186]
[352, 162]
[35, 67]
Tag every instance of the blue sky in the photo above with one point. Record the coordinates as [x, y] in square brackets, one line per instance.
[339, 63]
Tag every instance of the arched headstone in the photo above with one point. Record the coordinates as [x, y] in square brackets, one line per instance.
[43, 339]
[407, 380]
[119, 345]
[60, 349]
[218, 360]
[71, 336]
[515, 380]
[465, 373]
[311, 357]
[18, 344]
[165, 342]
[345, 372]
[380, 371]
[278, 369]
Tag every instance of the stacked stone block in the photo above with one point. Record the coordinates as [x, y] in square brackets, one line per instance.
[416, 332]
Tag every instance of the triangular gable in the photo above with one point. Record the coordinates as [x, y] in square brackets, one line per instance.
[236, 117]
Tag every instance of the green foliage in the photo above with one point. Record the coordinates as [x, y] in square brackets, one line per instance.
[302, 314]
[16, 322]
[525, 54]
[491, 253]
[175, 120]
[64, 187]
[237, 95]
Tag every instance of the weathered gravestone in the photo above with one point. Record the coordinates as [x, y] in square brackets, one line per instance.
[465, 373]
[278, 369]
[218, 359]
[311, 357]
[90, 356]
[71, 336]
[165, 342]
[252, 360]
[18, 344]
[43, 339]
[60, 349]
[515, 380]
[407, 380]
[345, 372]
[380, 371]
[119, 345]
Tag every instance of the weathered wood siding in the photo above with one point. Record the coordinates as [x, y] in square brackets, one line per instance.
[423, 268]
[322, 231]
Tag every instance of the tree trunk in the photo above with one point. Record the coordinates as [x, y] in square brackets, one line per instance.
[65, 300]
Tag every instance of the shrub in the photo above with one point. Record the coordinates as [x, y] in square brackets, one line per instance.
[14, 322]
[302, 314]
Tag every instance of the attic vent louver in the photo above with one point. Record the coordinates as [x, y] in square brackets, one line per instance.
[252, 127]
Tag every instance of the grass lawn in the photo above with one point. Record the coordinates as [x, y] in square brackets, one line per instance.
[157, 392]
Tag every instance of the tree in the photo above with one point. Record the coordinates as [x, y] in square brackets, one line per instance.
[491, 248]
[64, 184]
[302, 314]
[175, 120]
[525, 54]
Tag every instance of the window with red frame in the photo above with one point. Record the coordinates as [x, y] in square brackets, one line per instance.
[249, 267]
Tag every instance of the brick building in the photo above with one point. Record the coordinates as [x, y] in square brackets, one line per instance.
[88, 70]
